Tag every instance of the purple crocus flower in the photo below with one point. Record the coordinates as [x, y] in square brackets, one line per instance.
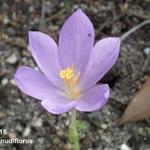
[71, 69]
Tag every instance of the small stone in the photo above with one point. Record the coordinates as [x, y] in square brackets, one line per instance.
[12, 82]
[125, 147]
[31, 9]
[66, 146]
[19, 100]
[141, 131]
[11, 31]
[41, 140]
[62, 4]
[64, 115]
[12, 59]
[75, 6]
[27, 131]
[57, 127]
[56, 140]
[26, 52]
[60, 133]
[104, 126]
[19, 128]
[147, 51]
[4, 81]
[37, 122]
[107, 137]
[2, 114]
[6, 20]
[12, 135]
[67, 122]
[89, 148]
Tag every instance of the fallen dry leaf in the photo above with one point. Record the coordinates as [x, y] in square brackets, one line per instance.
[139, 107]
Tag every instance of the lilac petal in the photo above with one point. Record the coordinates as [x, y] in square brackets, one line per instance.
[33, 83]
[57, 104]
[76, 41]
[45, 53]
[103, 56]
[95, 98]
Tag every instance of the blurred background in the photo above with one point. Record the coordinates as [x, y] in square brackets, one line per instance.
[23, 117]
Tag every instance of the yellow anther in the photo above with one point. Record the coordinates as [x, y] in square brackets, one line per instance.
[70, 81]
[62, 74]
[66, 73]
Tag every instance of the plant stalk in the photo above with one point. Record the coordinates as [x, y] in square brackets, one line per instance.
[73, 134]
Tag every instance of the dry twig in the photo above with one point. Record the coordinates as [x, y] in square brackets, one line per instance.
[125, 35]
[42, 20]
[136, 14]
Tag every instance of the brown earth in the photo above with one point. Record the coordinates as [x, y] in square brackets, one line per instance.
[23, 116]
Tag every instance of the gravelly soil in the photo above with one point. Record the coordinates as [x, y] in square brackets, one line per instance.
[23, 117]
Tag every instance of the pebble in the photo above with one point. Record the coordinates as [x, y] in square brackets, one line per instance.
[67, 122]
[4, 81]
[12, 82]
[62, 4]
[107, 137]
[104, 126]
[57, 127]
[141, 131]
[125, 147]
[2, 114]
[41, 140]
[60, 133]
[66, 146]
[147, 51]
[19, 100]
[37, 122]
[12, 59]
[64, 115]
[12, 135]
[56, 140]
[27, 131]
[19, 128]
[11, 31]
[6, 20]
[89, 149]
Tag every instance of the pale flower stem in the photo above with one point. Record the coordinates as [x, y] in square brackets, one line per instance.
[73, 134]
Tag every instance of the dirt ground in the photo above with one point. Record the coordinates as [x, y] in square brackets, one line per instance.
[23, 117]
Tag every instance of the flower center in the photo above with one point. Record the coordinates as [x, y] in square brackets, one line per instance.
[71, 81]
